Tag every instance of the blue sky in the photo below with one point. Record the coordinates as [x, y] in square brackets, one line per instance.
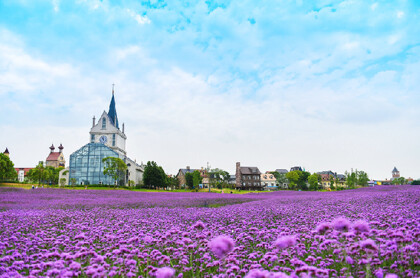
[322, 84]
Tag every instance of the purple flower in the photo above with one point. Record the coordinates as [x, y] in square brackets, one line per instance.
[256, 273]
[323, 227]
[285, 242]
[349, 260]
[391, 275]
[369, 245]
[75, 266]
[221, 246]
[199, 225]
[164, 272]
[361, 226]
[341, 224]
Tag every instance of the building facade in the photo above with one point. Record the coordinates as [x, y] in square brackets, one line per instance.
[56, 159]
[248, 178]
[269, 181]
[106, 140]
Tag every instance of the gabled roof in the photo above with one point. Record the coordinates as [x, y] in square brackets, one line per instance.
[282, 171]
[53, 156]
[184, 171]
[25, 170]
[250, 171]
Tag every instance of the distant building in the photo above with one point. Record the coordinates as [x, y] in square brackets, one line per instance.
[282, 171]
[106, 140]
[56, 159]
[269, 181]
[22, 172]
[248, 178]
[326, 176]
[395, 173]
[6, 152]
[296, 168]
[182, 172]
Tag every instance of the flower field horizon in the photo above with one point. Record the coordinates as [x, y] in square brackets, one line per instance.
[367, 232]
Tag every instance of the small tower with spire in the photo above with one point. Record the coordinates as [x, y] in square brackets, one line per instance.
[6, 152]
[52, 148]
[60, 148]
[395, 173]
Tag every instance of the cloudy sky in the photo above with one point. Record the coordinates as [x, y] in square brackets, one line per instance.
[274, 84]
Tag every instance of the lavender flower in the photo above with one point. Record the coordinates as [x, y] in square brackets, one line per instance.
[165, 272]
[341, 224]
[221, 246]
[285, 242]
[369, 245]
[321, 228]
[361, 226]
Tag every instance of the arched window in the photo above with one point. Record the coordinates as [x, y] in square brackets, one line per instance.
[103, 123]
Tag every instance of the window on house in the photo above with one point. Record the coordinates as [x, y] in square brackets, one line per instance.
[103, 123]
[92, 138]
[113, 139]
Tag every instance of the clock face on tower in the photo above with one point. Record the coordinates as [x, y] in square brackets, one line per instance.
[103, 139]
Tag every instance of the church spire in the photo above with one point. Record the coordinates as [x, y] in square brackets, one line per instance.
[112, 113]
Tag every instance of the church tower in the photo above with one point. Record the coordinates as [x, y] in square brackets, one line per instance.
[107, 131]
[395, 173]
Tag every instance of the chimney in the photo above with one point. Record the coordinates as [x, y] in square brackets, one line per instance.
[238, 175]
[93, 122]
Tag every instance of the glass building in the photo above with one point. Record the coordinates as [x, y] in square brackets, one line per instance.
[86, 165]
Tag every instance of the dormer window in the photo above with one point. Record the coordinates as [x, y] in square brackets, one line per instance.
[103, 123]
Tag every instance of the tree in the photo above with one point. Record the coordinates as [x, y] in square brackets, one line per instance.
[154, 176]
[73, 181]
[399, 181]
[303, 179]
[362, 178]
[37, 174]
[197, 179]
[313, 181]
[62, 182]
[189, 180]
[332, 182]
[7, 170]
[218, 177]
[115, 168]
[172, 182]
[293, 177]
[356, 178]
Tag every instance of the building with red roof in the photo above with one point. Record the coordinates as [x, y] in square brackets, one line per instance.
[56, 159]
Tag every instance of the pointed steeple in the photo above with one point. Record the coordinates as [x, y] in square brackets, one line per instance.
[112, 113]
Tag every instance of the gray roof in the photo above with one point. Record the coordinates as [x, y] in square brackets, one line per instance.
[329, 172]
[395, 170]
[250, 171]
[184, 171]
[282, 171]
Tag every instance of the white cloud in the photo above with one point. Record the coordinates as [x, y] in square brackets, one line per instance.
[56, 6]
[140, 19]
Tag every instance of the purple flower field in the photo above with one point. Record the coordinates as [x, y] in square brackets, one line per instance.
[370, 232]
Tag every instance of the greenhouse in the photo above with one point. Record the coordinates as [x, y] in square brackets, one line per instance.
[86, 166]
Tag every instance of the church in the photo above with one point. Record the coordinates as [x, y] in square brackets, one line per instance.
[106, 140]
